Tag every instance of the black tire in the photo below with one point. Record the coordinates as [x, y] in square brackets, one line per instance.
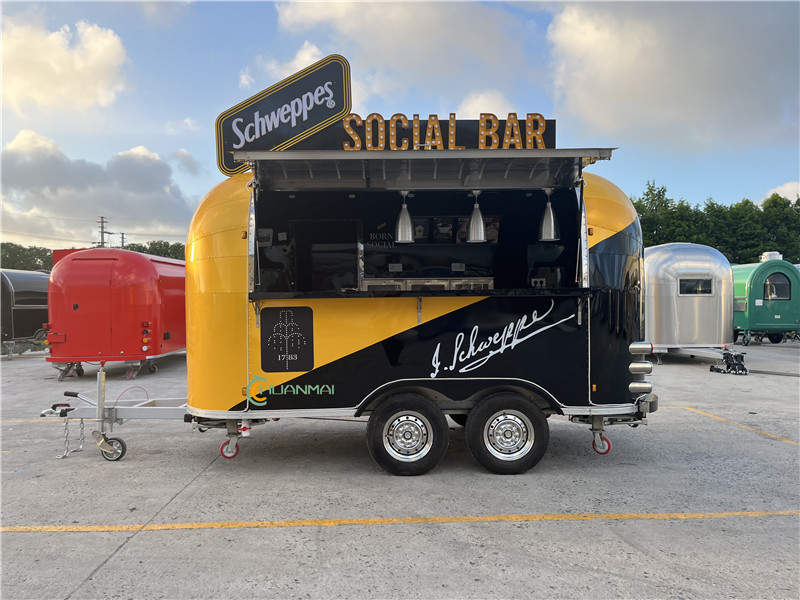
[460, 419]
[507, 433]
[120, 448]
[407, 434]
[775, 338]
[735, 335]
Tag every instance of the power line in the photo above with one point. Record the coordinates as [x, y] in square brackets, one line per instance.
[5, 212]
[162, 235]
[103, 231]
[159, 235]
[44, 237]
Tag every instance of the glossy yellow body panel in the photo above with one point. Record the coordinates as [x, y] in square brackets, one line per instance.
[343, 326]
[222, 329]
[216, 297]
[608, 209]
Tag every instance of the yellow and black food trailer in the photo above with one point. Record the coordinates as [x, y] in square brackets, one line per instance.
[406, 270]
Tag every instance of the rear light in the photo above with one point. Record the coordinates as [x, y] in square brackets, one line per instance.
[145, 340]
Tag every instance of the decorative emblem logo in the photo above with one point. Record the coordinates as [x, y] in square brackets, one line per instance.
[287, 339]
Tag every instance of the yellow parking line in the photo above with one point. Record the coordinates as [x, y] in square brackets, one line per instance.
[747, 427]
[393, 521]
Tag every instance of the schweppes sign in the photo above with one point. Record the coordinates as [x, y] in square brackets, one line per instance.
[286, 113]
[311, 111]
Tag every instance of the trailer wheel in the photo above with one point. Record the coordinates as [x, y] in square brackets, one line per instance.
[507, 433]
[407, 434]
[119, 446]
[229, 450]
[604, 447]
[775, 338]
[79, 370]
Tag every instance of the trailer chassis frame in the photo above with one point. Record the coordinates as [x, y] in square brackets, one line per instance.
[105, 417]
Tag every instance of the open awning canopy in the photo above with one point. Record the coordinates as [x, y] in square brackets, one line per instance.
[420, 169]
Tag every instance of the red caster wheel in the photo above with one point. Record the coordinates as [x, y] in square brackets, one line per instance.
[604, 447]
[227, 450]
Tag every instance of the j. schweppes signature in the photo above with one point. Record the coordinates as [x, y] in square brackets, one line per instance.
[468, 355]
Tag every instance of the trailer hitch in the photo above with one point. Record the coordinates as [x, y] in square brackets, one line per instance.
[57, 410]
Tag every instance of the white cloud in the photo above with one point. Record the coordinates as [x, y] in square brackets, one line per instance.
[187, 125]
[443, 48]
[245, 80]
[139, 152]
[163, 13]
[307, 55]
[487, 101]
[29, 142]
[46, 194]
[65, 68]
[186, 161]
[685, 75]
[789, 190]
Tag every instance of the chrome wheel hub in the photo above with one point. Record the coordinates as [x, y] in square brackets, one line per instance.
[407, 437]
[508, 435]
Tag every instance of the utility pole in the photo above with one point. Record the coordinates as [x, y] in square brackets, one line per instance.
[103, 231]
[122, 235]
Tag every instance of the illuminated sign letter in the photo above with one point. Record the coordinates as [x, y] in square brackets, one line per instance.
[416, 132]
[513, 135]
[451, 128]
[488, 129]
[351, 132]
[433, 134]
[403, 120]
[530, 136]
[369, 133]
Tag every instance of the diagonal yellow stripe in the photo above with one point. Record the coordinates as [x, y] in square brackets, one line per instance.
[395, 521]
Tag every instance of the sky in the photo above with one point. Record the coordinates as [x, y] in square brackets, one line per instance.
[108, 108]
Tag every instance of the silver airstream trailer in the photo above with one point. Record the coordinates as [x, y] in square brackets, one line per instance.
[688, 297]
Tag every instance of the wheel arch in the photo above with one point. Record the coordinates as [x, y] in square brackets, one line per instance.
[460, 395]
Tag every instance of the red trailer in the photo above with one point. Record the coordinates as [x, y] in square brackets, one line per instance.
[107, 304]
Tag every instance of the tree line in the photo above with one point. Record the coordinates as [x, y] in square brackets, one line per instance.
[35, 258]
[741, 231]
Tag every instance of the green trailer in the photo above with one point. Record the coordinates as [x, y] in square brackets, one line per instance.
[766, 301]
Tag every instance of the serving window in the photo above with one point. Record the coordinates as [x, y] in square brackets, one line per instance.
[344, 242]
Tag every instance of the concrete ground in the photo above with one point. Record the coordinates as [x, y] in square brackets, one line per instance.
[703, 502]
